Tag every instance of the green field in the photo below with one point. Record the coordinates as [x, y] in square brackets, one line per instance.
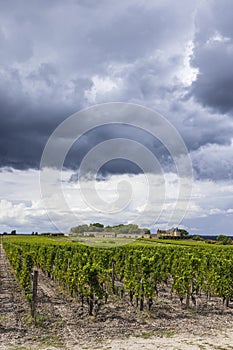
[101, 242]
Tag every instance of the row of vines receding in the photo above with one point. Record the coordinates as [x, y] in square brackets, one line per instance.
[135, 273]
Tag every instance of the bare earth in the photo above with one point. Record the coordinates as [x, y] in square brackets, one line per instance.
[63, 324]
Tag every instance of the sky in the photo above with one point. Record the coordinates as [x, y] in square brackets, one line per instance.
[173, 58]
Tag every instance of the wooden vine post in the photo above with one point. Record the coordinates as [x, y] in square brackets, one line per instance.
[34, 293]
[113, 276]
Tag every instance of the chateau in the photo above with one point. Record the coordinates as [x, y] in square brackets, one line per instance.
[173, 232]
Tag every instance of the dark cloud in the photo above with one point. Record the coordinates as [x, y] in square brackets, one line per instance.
[25, 128]
[91, 139]
[213, 52]
[213, 162]
[198, 128]
[52, 51]
[57, 58]
[214, 84]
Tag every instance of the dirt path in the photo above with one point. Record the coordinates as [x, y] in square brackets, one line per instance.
[53, 304]
[17, 330]
[13, 308]
[218, 341]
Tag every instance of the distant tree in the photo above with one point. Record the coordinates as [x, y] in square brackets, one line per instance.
[36, 233]
[97, 224]
[121, 228]
[96, 227]
[184, 232]
[147, 231]
[108, 228]
[223, 239]
[198, 238]
[80, 229]
[13, 232]
[33, 233]
[130, 228]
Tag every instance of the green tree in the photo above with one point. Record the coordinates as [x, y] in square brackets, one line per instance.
[97, 224]
[184, 232]
[198, 238]
[223, 239]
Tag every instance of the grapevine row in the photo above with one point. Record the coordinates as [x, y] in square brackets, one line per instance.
[135, 272]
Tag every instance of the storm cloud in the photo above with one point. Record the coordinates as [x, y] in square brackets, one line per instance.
[57, 58]
[212, 55]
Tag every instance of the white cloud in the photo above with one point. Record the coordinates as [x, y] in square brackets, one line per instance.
[10, 211]
[217, 37]
[102, 87]
[22, 207]
[214, 161]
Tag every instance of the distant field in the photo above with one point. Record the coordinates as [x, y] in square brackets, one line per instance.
[102, 242]
[108, 242]
[184, 242]
[99, 242]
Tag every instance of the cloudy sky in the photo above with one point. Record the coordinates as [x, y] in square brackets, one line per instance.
[58, 58]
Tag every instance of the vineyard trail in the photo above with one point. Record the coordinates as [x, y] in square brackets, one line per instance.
[13, 306]
[63, 323]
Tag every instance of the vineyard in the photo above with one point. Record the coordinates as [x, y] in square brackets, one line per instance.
[136, 272]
